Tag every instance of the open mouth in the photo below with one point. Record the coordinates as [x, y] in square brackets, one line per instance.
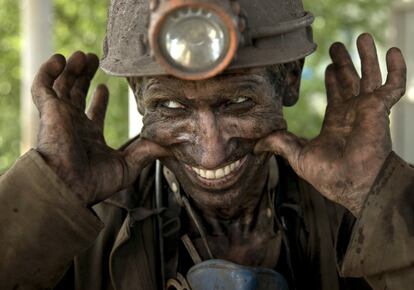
[219, 177]
[218, 173]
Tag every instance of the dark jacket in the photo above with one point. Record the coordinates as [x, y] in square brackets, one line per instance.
[50, 240]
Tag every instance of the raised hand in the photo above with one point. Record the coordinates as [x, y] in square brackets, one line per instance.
[72, 142]
[344, 160]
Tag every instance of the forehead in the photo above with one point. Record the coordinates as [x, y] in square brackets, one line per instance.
[258, 77]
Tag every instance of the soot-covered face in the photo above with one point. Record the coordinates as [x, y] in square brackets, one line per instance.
[211, 128]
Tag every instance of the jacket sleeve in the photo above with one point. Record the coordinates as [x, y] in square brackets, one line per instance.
[381, 244]
[43, 226]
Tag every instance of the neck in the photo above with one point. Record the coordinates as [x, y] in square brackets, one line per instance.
[235, 235]
[237, 215]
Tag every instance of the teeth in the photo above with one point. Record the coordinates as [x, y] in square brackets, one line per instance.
[218, 173]
[210, 174]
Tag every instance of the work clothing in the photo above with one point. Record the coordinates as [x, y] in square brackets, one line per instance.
[50, 240]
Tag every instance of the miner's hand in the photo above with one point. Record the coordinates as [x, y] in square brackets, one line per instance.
[344, 160]
[72, 142]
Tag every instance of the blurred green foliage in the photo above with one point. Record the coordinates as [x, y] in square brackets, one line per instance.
[335, 20]
[9, 82]
[80, 25]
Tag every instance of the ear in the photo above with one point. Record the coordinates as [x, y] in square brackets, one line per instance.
[293, 79]
[135, 84]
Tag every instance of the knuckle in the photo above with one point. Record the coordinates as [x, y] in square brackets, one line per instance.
[399, 92]
[36, 88]
[61, 87]
[77, 93]
[39, 92]
[34, 91]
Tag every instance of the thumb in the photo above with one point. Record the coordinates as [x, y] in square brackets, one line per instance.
[282, 143]
[129, 163]
[143, 151]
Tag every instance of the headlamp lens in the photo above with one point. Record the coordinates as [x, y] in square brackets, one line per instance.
[194, 40]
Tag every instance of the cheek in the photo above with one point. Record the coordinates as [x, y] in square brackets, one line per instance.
[255, 125]
[166, 130]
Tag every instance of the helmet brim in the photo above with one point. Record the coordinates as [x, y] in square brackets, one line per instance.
[283, 49]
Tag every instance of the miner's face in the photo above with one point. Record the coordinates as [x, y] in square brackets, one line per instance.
[211, 128]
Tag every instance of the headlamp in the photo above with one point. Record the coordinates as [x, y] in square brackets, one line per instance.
[195, 39]
[198, 39]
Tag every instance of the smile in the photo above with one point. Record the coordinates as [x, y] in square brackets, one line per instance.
[220, 172]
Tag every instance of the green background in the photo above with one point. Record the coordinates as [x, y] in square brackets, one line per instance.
[80, 25]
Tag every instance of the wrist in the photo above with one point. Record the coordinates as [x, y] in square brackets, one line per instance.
[67, 178]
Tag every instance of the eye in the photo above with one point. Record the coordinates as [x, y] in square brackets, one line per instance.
[239, 104]
[239, 100]
[172, 105]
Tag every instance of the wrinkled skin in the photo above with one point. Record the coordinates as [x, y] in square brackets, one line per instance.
[212, 123]
[344, 160]
[211, 130]
[72, 142]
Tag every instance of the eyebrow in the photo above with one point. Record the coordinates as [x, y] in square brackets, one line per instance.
[157, 90]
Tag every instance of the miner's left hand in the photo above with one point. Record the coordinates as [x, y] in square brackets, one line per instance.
[345, 159]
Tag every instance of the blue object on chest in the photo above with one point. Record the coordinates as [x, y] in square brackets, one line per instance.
[224, 275]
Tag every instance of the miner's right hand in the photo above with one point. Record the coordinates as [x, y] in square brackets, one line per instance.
[72, 142]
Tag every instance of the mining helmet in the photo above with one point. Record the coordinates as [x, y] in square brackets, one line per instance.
[198, 39]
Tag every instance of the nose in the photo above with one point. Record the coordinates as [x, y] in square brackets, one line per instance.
[211, 141]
